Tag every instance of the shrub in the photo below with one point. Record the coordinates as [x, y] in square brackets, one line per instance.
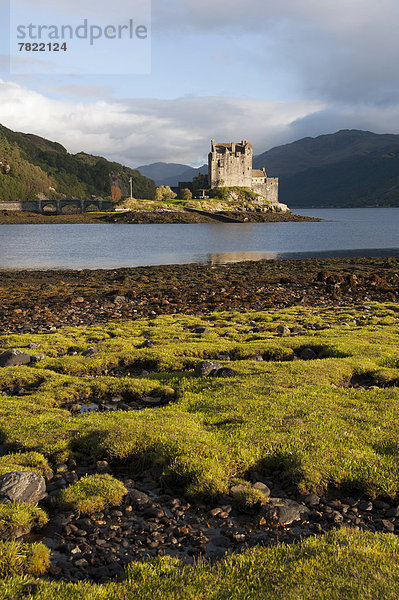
[92, 494]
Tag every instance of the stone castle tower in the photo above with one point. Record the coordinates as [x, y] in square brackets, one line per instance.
[230, 165]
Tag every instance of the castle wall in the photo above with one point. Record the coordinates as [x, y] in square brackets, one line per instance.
[267, 187]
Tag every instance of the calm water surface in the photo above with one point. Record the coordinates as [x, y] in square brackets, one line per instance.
[345, 232]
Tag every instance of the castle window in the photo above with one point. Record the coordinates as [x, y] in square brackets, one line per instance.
[220, 163]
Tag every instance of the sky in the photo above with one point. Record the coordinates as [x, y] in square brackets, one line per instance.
[270, 71]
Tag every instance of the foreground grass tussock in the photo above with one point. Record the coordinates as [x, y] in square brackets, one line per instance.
[17, 519]
[328, 421]
[18, 559]
[341, 565]
[92, 494]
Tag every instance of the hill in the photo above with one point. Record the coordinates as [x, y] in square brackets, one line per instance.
[32, 166]
[171, 173]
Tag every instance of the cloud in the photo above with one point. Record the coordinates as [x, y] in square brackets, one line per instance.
[337, 50]
[140, 131]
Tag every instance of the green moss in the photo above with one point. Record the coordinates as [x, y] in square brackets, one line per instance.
[92, 494]
[17, 519]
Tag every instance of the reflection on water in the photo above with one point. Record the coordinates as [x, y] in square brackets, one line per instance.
[223, 258]
[344, 232]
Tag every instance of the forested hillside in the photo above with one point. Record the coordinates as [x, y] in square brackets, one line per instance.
[32, 166]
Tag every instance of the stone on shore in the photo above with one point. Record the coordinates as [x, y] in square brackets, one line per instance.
[22, 486]
[14, 357]
[207, 367]
[284, 511]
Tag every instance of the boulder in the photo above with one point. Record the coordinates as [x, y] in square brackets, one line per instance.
[14, 357]
[283, 330]
[224, 372]
[37, 358]
[263, 488]
[308, 354]
[22, 486]
[90, 351]
[201, 329]
[285, 511]
[137, 498]
[206, 367]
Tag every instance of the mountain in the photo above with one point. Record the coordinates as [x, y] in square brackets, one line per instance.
[324, 150]
[31, 165]
[347, 168]
[171, 173]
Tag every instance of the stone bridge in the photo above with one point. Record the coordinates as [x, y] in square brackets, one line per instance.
[57, 206]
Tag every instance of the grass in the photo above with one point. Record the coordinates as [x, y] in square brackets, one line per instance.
[18, 559]
[25, 461]
[17, 519]
[92, 494]
[304, 418]
[341, 565]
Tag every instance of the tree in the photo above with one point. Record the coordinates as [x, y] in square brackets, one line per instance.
[186, 194]
[163, 193]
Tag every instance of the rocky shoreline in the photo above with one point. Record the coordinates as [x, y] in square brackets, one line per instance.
[39, 301]
[146, 217]
[156, 517]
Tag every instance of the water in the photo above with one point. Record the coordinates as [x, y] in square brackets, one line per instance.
[344, 232]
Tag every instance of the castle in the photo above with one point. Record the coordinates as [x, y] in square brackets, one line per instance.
[230, 165]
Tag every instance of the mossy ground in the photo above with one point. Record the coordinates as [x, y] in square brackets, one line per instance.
[302, 417]
[308, 419]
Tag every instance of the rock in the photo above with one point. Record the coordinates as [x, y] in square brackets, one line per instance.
[393, 512]
[366, 505]
[387, 525]
[284, 511]
[147, 344]
[224, 356]
[308, 354]
[283, 330]
[224, 372]
[236, 489]
[262, 487]
[201, 329]
[37, 358]
[138, 498]
[312, 500]
[119, 300]
[14, 357]
[90, 351]
[22, 486]
[102, 466]
[206, 367]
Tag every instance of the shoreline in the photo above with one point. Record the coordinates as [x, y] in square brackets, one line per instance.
[35, 301]
[147, 217]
